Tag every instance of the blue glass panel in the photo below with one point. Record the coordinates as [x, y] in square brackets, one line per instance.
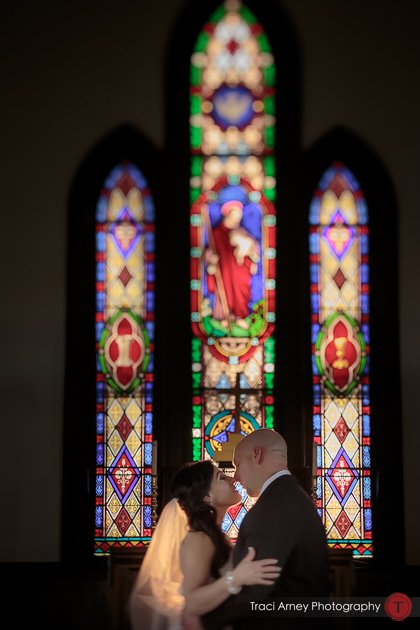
[150, 301]
[100, 301]
[365, 328]
[350, 178]
[327, 177]
[98, 516]
[363, 212]
[99, 485]
[313, 273]
[150, 241]
[314, 210]
[318, 456]
[147, 485]
[100, 454]
[99, 423]
[99, 392]
[365, 395]
[364, 273]
[149, 422]
[148, 453]
[151, 364]
[368, 519]
[365, 303]
[101, 209]
[364, 244]
[367, 366]
[316, 423]
[366, 426]
[149, 209]
[319, 513]
[314, 303]
[314, 366]
[319, 487]
[317, 394]
[366, 457]
[313, 243]
[366, 488]
[100, 241]
[315, 328]
[113, 177]
[150, 327]
[100, 272]
[150, 272]
[136, 175]
[99, 326]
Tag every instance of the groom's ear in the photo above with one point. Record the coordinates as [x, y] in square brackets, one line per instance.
[257, 454]
[207, 499]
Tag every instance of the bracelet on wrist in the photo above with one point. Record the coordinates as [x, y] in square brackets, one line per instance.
[230, 583]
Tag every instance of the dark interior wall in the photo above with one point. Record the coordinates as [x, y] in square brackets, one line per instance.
[73, 71]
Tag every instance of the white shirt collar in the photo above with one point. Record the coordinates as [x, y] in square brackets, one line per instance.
[280, 473]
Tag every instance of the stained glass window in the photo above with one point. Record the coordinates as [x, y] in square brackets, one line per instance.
[125, 271]
[339, 275]
[233, 234]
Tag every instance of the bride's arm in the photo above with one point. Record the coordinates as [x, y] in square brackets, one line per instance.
[197, 551]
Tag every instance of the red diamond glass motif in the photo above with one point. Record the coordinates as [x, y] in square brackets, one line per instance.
[232, 46]
[234, 511]
[339, 278]
[125, 276]
[124, 427]
[341, 430]
[123, 521]
[343, 523]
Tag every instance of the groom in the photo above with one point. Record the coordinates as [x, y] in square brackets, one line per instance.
[283, 524]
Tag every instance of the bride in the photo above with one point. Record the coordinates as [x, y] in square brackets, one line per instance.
[187, 570]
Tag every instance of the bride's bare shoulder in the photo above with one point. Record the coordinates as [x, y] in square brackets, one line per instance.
[198, 542]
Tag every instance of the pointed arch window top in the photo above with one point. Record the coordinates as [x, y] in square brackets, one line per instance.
[338, 196]
[232, 85]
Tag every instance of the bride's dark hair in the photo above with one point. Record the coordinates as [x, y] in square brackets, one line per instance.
[190, 485]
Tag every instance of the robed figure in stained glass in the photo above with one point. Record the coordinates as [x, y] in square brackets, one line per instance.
[232, 257]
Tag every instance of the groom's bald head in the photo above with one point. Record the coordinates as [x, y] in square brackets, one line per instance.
[257, 457]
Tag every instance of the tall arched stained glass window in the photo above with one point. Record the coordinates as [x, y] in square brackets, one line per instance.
[125, 248]
[339, 272]
[233, 238]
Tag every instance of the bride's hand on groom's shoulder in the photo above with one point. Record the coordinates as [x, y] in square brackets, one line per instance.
[250, 571]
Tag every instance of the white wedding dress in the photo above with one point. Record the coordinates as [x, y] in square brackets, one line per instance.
[156, 601]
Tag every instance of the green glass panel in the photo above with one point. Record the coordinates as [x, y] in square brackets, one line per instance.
[270, 194]
[196, 379]
[269, 416]
[269, 381]
[201, 43]
[270, 166]
[269, 136]
[195, 104]
[270, 74]
[195, 134]
[247, 15]
[196, 162]
[196, 350]
[269, 105]
[195, 75]
[264, 43]
[217, 14]
[196, 449]
[196, 416]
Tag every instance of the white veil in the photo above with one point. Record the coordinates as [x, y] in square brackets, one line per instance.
[155, 602]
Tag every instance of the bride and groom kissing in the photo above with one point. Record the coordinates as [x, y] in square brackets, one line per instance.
[192, 579]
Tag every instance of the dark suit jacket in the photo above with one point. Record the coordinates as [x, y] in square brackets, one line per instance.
[283, 524]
